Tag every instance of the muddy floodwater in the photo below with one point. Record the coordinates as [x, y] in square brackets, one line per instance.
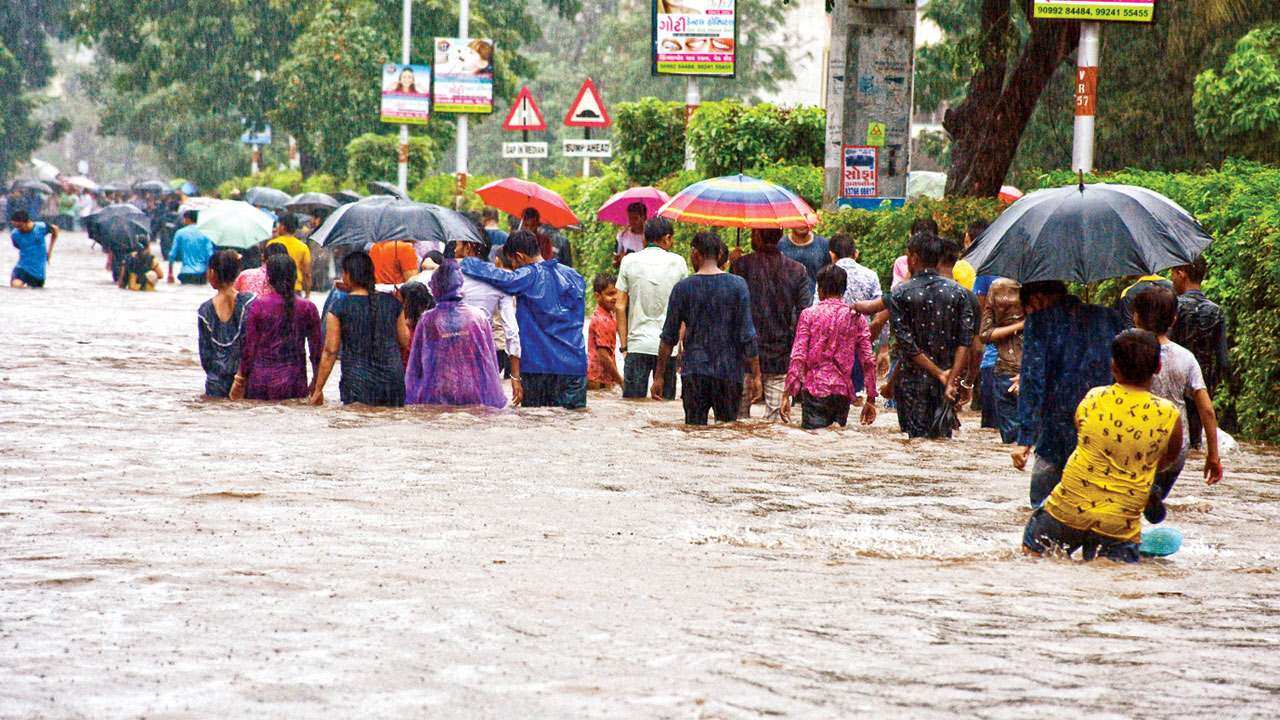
[163, 556]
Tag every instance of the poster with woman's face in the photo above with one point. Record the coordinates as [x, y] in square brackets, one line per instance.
[464, 75]
[694, 37]
[406, 94]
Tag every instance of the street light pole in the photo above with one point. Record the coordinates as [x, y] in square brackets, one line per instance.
[1087, 58]
[692, 99]
[464, 29]
[402, 166]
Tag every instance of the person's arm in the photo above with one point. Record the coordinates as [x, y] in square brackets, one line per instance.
[866, 354]
[53, 240]
[517, 385]
[403, 336]
[332, 344]
[205, 343]
[511, 282]
[609, 364]
[248, 355]
[870, 307]
[671, 334]
[877, 324]
[1031, 389]
[511, 325]
[1209, 420]
[175, 252]
[748, 341]
[799, 351]
[1224, 361]
[1003, 333]
[659, 372]
[1174, 448]
[305, 271]
[620, 317]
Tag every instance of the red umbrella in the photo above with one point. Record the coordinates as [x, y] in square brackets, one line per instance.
[615, 208]
[513, 195]
[1009, 194]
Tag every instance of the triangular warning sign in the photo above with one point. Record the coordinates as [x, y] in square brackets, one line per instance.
[587, 111]
[524, 114]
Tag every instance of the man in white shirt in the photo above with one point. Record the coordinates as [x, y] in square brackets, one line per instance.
[645, 280]
[863, 286]
[631, 238]
[491, 301]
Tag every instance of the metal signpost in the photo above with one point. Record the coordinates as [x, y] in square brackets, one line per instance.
[587, 112]
[524, 117]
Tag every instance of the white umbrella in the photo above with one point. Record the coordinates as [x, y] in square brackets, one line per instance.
[45, 171]
[235, 224]
[197, 203]
[926, 183]
[83, 182]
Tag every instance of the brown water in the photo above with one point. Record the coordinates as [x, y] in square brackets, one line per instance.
[167, 557]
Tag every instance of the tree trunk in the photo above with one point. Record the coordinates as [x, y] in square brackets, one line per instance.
[987, 127]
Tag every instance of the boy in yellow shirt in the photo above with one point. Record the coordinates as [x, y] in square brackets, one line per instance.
[285, 234]
[1125, 435]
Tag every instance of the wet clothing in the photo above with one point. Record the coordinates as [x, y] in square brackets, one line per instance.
[1202, 329]
[1066, 351]
[26, 278]
[828, 338]
[779, 288]
[702, 394]
[493, 303]
[1006, 406]
[933, 316]
[719, 334]
[1045, 533]
[391, 260]
[1106, 483]
[813, 256]
[550, 306]
[140, 271]
[254, 281]
[453, 360]
[638, 368]
[220, 344]
[647, 278]
[1178, 380]
[1004, 309]
[823, 412]
[552, 390]
[300, 253]
[372, 369]
[1125, 303]
[863, 282]
[274, 358]
[33, 255]
[497, 238]
[627, 242]
[193, 249]
[603, 335]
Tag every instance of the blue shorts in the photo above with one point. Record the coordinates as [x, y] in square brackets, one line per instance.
[27, 278]
[1044, 532]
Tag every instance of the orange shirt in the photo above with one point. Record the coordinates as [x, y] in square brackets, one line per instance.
[392, 260]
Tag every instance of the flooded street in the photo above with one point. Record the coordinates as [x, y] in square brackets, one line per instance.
[170, 557]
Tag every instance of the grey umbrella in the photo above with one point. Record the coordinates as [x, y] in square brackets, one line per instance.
[379, 187]
[1084, 233]
[382, 218]
[155, 186]
[346, 196]
[118, 226]
[310, 203]
[267, 197]
[33, 186]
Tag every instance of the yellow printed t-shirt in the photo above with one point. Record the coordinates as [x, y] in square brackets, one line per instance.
[297, 250]
[1123, 433]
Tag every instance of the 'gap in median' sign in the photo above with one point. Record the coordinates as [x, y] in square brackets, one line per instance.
[521, 150]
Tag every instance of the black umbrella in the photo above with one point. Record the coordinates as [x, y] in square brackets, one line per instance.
[379, 187]
[346, 196]
[379, 219]
[1084, 233]
[113, 188]
[155, 186]
[118, 227]
[33, 186]
[267, 197]
[311, 203]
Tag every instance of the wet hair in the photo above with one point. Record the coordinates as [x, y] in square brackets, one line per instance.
[976, 228]
[1052, 288]
[832, 281]
[708, 245]
[656, 228]
[192, 215]
[282, 276]
[1157, 307]
[770, 237]
[842, 245]
[602, 282]
[417, 301]
[451, 249]
[1196, 271]
[531, 214]
[927, 247]
[289, 222]
[225, 265]
[275, 249]
[436, 256]
[924, 224]
[522, 241]
[638, 207]
[20, 216]
[1136, 354]
[359, 269]
[950, 251]
[489, 214]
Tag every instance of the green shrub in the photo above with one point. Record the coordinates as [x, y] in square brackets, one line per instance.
[803, 180]
[649, 139]
[729, 137]
[372, 157]
[321, 183]
[441, 190]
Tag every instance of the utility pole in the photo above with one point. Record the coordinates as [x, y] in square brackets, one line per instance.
[1087, 59]
[464, 29]
[402, 166]
[692, 99]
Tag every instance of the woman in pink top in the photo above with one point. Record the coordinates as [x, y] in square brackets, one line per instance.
[255, 280]
[828, 336]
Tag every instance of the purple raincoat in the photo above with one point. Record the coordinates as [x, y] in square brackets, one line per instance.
[453, 360]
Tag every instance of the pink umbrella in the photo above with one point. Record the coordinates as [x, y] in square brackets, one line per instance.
[1009, 194]
[615, 208]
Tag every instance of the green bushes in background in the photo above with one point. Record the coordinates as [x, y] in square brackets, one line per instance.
[649, 138]
[372, 157]
[729, 137]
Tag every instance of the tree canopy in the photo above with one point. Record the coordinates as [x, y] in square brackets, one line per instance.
[1239, 108]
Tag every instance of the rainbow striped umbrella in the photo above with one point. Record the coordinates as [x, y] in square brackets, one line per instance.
[739, 201]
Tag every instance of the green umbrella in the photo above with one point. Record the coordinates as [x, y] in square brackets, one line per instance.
[235, 224]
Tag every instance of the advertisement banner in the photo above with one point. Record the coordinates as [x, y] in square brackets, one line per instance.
[464, 75]
[406, 94]
[1143, 11]
[695, 37]
[860, 177]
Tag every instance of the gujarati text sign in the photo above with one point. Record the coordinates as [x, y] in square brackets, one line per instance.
[695, 37]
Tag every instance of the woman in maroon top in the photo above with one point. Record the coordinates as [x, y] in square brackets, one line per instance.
[281, 330]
